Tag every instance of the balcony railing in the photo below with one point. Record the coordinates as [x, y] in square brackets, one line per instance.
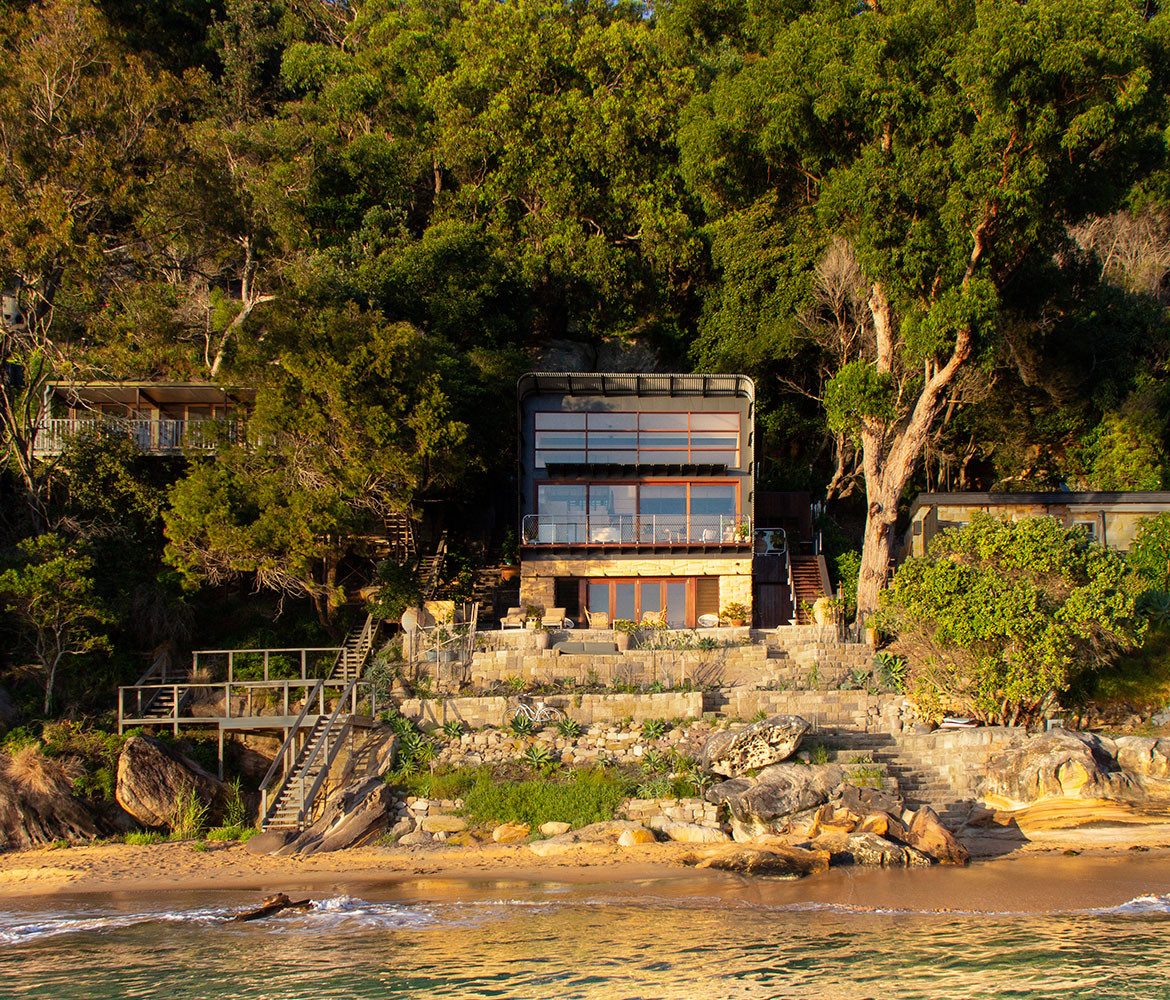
[154, 437]
[636, 529]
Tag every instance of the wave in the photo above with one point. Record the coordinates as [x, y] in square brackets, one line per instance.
[22, 928]
[340, 912]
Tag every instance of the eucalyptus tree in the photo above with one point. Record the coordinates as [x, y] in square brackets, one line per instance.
[948, 144]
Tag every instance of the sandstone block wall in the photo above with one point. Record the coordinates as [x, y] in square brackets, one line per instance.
[587, 709]
[657, 813]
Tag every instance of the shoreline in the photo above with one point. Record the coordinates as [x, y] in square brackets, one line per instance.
[1072, 872]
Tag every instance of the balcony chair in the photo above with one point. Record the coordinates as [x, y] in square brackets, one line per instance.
[513, 619]
[654, 618]
[553, 618]
[597, 619]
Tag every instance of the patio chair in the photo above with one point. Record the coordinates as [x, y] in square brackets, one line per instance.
[655, 618]
[513, 619]
[597, 619]
[553, 618]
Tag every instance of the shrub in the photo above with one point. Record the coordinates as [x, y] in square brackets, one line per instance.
[1000, 617]
[227, 832]
[188, 820]
[453, 728]
[522, 725]
[654, 729]
[818, 753]
[892, 670]
[580, 797]
[736, 612]
[141, 838]
[568, 729]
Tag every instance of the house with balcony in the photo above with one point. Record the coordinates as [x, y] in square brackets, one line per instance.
[636, 494]
[163, 418]
[1111, 518]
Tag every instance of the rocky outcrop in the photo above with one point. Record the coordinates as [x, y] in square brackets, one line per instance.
[768, 742]
[36, 802]
[151, 780]
[609, 832]
[353, 816]
[764, 803]
[1059, 764]
[511, 833]
[1144, 756]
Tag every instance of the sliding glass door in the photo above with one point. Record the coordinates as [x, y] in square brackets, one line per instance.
[635, 598]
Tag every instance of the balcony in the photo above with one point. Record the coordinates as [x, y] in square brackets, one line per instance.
[153, 437]
[637, 530]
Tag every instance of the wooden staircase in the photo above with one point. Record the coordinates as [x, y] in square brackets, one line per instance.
[430, 569]
[288, 795]
[808, 583]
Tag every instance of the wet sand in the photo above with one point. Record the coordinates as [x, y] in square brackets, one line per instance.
[1031, 880]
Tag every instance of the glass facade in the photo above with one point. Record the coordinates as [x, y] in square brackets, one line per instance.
[637, 438]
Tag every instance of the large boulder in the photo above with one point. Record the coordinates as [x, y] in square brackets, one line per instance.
[1144, 756]
[768, 742]
[766, 802]
[1058, 764]
[693, 833]
[37, 804]
[152, 778]
[925, 832]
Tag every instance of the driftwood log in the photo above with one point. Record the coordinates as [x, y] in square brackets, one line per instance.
[270, 907]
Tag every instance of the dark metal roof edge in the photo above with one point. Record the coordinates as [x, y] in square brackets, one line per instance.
[528, 384]
[1054, 497]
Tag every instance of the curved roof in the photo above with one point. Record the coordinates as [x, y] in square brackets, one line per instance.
[634, 384]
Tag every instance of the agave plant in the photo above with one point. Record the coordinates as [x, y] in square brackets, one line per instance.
[654, 729]
[539, 756]
[453, 729]
[522, 725]
[568, 729]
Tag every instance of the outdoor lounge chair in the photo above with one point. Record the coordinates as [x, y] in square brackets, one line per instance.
[553, 618]
[513, 619]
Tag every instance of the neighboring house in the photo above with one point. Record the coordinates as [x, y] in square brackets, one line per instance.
[164, 418]
[637, 494]
[1110, 518]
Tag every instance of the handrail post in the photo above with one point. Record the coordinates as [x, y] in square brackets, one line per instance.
[266, 664]
[304, 654]
[231, 666]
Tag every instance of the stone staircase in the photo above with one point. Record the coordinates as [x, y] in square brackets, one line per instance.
[808, 584]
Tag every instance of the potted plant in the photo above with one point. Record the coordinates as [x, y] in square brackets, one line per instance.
[541, 637]
[736, 614]
[533, 616]
[511, 572]
[743, 531]
[623, 629]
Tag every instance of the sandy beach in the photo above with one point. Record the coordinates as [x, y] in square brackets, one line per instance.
[1059, 870]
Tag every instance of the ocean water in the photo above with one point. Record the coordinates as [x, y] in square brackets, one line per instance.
[702, 940]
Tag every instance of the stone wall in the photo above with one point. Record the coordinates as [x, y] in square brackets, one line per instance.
[854, 711]
[658, 813]
[587, 709]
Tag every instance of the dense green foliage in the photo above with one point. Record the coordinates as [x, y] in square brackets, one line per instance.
[936, 233]
[1002, 617]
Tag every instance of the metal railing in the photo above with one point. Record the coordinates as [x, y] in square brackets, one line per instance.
[217, 703]
[636, 529]
[154, 437]
[260, 664]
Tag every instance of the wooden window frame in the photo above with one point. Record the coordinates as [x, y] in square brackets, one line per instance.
[690, 583]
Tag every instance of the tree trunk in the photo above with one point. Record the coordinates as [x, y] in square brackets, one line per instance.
[50, 680]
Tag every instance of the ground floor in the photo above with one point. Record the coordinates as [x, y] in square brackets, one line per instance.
[683, 590]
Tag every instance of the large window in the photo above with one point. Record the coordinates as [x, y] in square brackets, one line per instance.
[636, 598]
[664, 513]
[637, 438]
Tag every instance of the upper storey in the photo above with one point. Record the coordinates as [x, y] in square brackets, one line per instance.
[636, 459]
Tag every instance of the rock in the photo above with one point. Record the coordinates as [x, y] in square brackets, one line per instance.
[1144, 756]
[632, 838]
[442, 824]
[877, 822]
[787, 862]
[353, 815]
[870, 800]
[464, 839]
[270, 841]
[417, 838]
[765, 803]
[401, 828]
[554, 829]
[1058, 764]
[37, 804]
[511, 833]
[151, 779]
[869, 850]
[759, 745]
[692, 833]
[926, 833]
